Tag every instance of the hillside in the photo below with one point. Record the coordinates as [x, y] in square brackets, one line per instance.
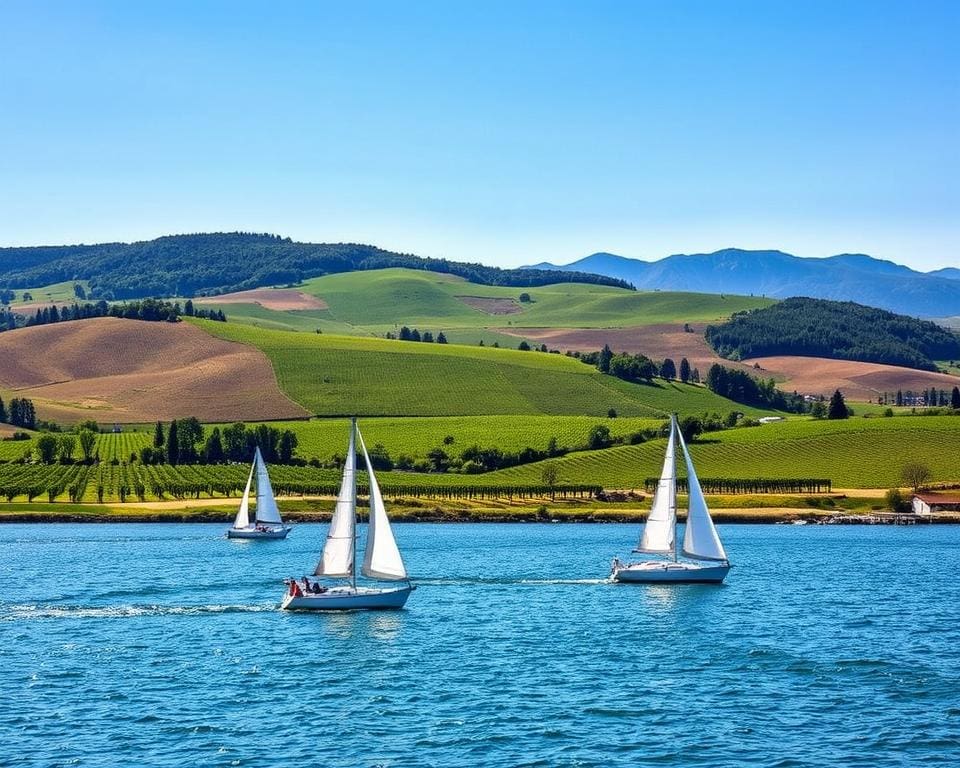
[114, 370]
[846, 277]
[188, 265]
[340, 375]
[837, 330]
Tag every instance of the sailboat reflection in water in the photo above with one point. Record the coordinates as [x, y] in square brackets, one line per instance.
[381, 560]
[707, 560]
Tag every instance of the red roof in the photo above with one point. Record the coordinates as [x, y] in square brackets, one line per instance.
[939, 498]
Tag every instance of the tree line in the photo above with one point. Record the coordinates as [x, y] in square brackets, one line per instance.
[413, 334]
[637, 368]
[834, 329]
[20, 413]
[207, 264]
[153, 310]
[741, 387]
[184, 441]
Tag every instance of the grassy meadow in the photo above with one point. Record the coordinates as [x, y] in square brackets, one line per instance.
[348, 375]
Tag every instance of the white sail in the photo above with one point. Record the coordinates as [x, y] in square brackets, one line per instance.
[267, 511]
[338, 551]
[659, 530]
[700, 540]
[381, 559]
[243, 514]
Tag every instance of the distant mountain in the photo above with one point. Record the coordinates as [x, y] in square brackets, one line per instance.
[191, 265]
[845, 277]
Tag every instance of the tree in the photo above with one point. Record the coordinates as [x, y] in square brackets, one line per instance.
[684, 370]
[46, 447]
[405, 334]
[896, 502]
[837, 408]
[213, 450]
[524, 347]
[954, 399]
[819, 409]
[67, 443]
[548, 476]
[598, 437]
[414, 335]
[188, 308]
[441, 339]
[288, 445]
[427, 337]
[695, 376]
[88, 441]
[525, 298]
[173, 445]
[668, 370]
[439, 460]
[915, 474]
[612, 413]
[899, 397]
[603, 361]
[380, 458]
[158, 441]
[3, 412]
[690, 428]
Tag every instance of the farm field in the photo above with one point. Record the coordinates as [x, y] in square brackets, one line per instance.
[114, 370]
[853, 453]
[347, 375]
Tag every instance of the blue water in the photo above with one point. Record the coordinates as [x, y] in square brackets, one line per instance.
[161, 645]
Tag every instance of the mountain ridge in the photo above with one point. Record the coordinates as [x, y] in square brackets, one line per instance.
[853, 277]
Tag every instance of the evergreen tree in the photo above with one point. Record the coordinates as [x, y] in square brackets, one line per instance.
[955, 398]
[441, 339]
[188, 308]
[405, 334]
[603, 362]
[899, 397]
[288, 444]
[173, 444]
[837, 408]
[415, 335]
[668, 370]
[158, 441]
[427, 337]
[3, 412]
[213, 450]
[523, 346]
[684, 370]
[695, 376]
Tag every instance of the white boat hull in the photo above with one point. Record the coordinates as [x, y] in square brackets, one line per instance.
[252, 533]
[666, 572]
[349, 598]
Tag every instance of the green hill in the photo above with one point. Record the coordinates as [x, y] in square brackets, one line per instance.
[348, 375]
[378, 301]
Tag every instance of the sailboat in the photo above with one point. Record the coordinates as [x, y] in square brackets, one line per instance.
[706, 560]
[381, 559]
[266, 523]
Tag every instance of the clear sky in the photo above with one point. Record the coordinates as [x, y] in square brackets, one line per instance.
[501, 132]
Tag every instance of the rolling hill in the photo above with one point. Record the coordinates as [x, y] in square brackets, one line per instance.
[845, 277]
[114, 370]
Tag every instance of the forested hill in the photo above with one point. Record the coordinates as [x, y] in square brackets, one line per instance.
[191, 265]
[839, 330]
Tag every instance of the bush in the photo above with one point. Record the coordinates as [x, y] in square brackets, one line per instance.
[896, 501]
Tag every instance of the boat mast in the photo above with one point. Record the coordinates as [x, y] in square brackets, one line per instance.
[676, 521]
[353, 497]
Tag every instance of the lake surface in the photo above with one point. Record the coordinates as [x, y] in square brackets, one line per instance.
[162, 645]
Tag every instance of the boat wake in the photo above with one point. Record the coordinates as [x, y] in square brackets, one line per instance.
[22, 612]
[455, 581]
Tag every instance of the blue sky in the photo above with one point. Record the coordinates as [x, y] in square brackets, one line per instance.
[501, 132]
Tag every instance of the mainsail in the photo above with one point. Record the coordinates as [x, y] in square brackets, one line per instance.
[338, 551]
[267, 511]
[700, 540]
[381, 559]
[243, 514]
[658, 532]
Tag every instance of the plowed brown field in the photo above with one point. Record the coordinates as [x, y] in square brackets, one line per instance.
[115, 370]
[280, 299]
[857, 381]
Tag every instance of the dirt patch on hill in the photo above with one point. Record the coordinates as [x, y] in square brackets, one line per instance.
[492, 306]
[115, 370]
[280, 299]
[858, 381]
[7, 430]
[655, 341]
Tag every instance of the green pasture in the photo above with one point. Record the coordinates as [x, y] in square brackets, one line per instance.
[382, 300]
[55, 292]
[854, 453]
[348, 375]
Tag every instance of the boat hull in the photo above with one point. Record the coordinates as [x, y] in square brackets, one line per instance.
[349, 599]
[660, 572]
[252, 533]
